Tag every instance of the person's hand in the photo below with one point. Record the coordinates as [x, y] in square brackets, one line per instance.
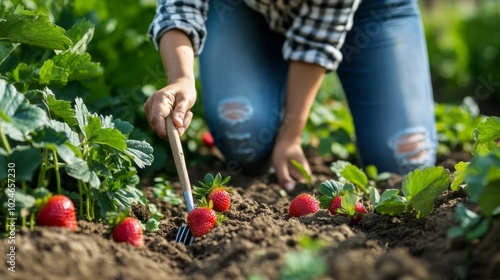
[286, 149]
[176, 98]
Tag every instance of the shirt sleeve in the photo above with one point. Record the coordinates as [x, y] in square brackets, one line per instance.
[318, 32]
[186, 15]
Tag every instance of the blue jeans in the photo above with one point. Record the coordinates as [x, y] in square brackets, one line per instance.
[385, 76]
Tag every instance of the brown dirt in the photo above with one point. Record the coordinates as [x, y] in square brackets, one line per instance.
[255, 239]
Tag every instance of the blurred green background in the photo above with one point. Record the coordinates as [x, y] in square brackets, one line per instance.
[463, 39]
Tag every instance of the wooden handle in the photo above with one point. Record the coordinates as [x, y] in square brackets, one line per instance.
[180, 164]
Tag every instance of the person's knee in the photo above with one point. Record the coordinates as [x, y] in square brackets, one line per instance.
[245, 137]
[413, 150]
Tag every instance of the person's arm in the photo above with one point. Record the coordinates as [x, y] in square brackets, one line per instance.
[304, 80]
[180, 94]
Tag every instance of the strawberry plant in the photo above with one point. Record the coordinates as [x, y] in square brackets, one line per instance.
[56, 143]
[306, 263]
[213, 190]
[420, 189]
[340, 198]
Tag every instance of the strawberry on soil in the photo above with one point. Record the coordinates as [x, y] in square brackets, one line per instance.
[58, 211]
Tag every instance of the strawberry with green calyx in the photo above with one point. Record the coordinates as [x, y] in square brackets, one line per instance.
[303, 204]
[125, 229]
[57, 211]
[340, 199]
[203, 219]
[213, 189]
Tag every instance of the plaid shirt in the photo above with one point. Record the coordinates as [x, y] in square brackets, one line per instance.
[314, 29]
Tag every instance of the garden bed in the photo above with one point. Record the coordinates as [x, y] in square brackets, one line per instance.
[258, 236]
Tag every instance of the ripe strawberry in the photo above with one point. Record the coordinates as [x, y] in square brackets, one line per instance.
[302, 205]
[221, 199]
[59, 211]
[359, 209]
[129, 230]
[208, 140]
[214, 191]
[201, 220]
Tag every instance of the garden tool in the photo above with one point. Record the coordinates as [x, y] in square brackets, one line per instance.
[184, 234]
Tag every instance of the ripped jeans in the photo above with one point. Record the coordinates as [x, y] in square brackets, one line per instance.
[385, 76]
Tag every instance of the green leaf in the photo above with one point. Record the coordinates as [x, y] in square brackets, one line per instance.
[79, 169]
[60, 109]
[77, 66]
[391, 203]
[331, 188]
[374, 196]
[17, 116]
[5, 50]
[72, 136]
[302, 171]
[23, 26]
[111, 137]
[23, 200]
[140, 151]
[486, 135]
[52, 74]
[81, 34]
[81, 114]
[23, 73]
[105, 202]
[483, 182]
[348, 203]
[152, 225]
[48, 136]
[27, 159]
[371, 171]
[338, 166]
[460, 171]
[354, 175]
[422, 187]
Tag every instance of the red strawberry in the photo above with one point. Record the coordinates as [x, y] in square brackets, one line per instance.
[129, 230]
[212, 190]
[359, 209]
[302, 205]
[201, 220]
[208, 140]
[220, 199]
[59, 211]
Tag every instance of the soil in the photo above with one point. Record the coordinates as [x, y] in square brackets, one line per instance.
[258, 235]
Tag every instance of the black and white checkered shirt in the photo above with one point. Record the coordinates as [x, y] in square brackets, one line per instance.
[314, 29]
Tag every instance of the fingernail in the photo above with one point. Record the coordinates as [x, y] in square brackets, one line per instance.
[179, 120]
[289, 186]
[181, 130]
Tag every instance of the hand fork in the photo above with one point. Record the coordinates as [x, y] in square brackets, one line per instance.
[184, 234]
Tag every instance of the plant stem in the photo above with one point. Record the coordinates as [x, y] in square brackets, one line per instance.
[80, 191]
[43, 169]
[32, 220]
[5, 141]
[58, 175]
[87, 201]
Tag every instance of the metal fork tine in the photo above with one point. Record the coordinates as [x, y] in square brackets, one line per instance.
[184, 236]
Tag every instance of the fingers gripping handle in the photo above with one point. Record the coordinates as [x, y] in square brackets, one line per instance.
[180, 164]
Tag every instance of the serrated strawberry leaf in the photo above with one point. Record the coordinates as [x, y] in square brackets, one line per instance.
[79, 169]
[483, 182]
[391, 203]
[459, 176]
[354, 175]
[61, 109]
[77, 66]
[348, 203]
[80, 34]
[110, 137]
[331, 188]
[17, 116]
[51, 74]
[23, 26]
[72, 136]
[81, 114]
[140, 151]
[422, 187]
[486, 135]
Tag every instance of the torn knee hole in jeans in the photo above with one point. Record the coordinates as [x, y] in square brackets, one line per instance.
[235, 110]
[412, 146]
